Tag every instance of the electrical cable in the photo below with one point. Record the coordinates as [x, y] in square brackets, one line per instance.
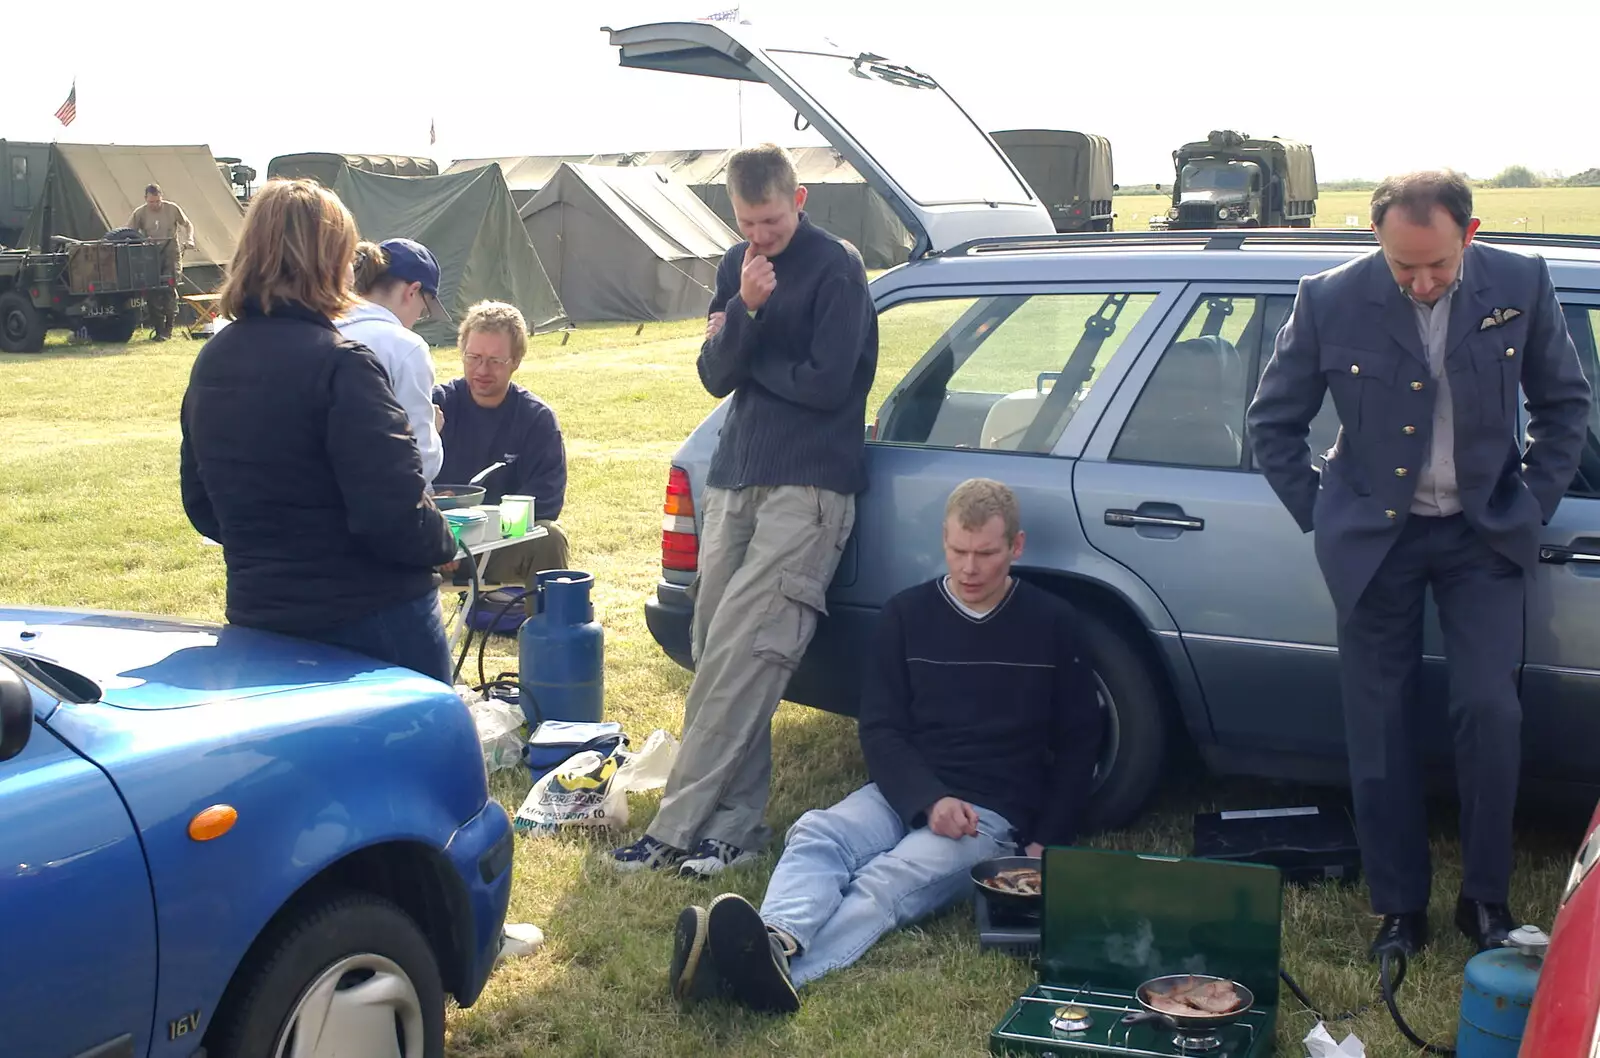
[1387, 988]
[483, 639]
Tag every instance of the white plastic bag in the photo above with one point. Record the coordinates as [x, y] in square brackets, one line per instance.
[648, 768]
[1320, 1044]
[499, 733]
[581, 792]
[589, 790]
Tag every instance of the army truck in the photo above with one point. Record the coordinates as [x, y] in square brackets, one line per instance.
[1070, 171]
[1229, 180]
[22, 172]
[100, 287]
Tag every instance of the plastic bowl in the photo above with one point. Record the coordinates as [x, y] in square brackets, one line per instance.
[452, 497]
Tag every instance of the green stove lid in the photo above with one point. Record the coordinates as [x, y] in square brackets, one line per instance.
[1118, 919]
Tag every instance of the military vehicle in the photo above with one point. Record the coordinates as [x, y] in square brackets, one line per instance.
[100, 287]
[1229, 180]
[22, 172]
[1070, 171]
[239, 177]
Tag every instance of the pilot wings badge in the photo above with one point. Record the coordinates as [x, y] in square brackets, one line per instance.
[1498, 317]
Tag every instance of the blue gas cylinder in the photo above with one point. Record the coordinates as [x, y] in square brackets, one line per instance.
[561, 650]
[1497, 993]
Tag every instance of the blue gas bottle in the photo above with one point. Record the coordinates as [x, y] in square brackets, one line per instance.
[1497, 993]
[561, 650]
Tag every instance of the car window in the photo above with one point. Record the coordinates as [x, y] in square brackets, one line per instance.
[1003, 372]
[1191, 411]
[1583, 322]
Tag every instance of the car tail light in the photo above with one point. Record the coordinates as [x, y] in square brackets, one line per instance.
[680, 544]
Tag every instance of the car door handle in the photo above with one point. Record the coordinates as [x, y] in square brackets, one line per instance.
[1560, 556]
[1131, 519]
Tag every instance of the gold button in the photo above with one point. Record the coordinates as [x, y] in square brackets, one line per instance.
[1408, 429]
[1355, 369]
[1400, 472]
[1511, 352]
[1388, 514]
[1416, 385]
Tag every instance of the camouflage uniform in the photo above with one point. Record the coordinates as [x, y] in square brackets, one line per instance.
[165, 226]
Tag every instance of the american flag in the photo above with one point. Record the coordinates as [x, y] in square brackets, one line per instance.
[69, 110]
[730, 15]
[432, 139]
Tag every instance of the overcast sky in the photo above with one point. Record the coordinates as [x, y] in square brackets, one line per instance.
[1480, 87]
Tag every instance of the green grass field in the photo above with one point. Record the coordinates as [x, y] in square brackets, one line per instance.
[89, 452]
[1554, 209]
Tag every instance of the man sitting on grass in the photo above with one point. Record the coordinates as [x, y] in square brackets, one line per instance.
[975, 682]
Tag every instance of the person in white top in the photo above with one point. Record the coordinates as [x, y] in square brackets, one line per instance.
[398, 281]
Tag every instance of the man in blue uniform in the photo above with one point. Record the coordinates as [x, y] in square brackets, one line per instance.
[1423, 345]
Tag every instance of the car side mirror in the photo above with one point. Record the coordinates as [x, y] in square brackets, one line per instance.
[16, 713]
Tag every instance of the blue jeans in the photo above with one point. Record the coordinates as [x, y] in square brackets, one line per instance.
[853, 872]
[410, 634]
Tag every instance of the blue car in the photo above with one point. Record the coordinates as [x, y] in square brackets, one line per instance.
[224, 843]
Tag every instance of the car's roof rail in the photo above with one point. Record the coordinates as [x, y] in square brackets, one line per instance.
[1235, 238]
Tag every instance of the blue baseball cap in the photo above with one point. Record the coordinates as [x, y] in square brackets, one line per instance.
[412, 262]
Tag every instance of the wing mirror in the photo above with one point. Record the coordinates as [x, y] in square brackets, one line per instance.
[16, 713]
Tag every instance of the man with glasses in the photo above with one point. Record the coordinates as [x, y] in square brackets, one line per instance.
[489, 419]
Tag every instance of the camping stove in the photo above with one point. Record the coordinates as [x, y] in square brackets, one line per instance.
[1002, 928]
[1035, 1027]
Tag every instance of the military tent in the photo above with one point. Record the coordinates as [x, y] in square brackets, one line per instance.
[469, 223]
[324, 167]
[524, 175]
[838, 200]
[629, 243]
[93, 188]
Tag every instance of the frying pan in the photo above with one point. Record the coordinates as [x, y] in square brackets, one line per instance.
[983, 873]
[459, 496]
[1187, 1024]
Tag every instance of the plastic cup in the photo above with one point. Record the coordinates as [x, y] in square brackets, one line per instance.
[516, 514]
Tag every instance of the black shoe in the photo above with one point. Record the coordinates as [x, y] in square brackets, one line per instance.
[1486, 925]
[1404, 934]
[693, 974]
[750, 959]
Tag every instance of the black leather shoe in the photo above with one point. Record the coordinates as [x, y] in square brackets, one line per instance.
[1485, 925]
[1400, 934]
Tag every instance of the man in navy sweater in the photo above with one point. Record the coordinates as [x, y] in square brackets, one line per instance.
[980, 725]
[488, 419]
[792, 342]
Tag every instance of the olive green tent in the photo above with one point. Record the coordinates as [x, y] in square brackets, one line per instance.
[839, 199]
[629, 243]
[468, 222]
[92, 188]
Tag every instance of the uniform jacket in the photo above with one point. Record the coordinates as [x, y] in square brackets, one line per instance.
[1353, 333]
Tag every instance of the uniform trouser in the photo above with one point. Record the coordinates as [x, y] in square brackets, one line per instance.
[1479, 595]
[767, 555]
[164, 302]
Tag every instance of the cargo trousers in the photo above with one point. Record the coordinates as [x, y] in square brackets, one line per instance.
[767, 555]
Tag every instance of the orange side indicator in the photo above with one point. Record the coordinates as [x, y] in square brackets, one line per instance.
[213, 822]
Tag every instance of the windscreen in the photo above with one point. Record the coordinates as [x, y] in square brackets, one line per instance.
[909, 126]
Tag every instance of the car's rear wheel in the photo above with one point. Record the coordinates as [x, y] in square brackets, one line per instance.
[353, 976]
[1134, 751]
[113, 330]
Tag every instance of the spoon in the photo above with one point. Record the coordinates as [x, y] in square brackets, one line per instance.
[485, 472]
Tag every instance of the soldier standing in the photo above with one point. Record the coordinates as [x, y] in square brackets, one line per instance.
[1423, 345]
[160, 221]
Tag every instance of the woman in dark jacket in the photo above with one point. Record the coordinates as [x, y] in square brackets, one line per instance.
[296, 456]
